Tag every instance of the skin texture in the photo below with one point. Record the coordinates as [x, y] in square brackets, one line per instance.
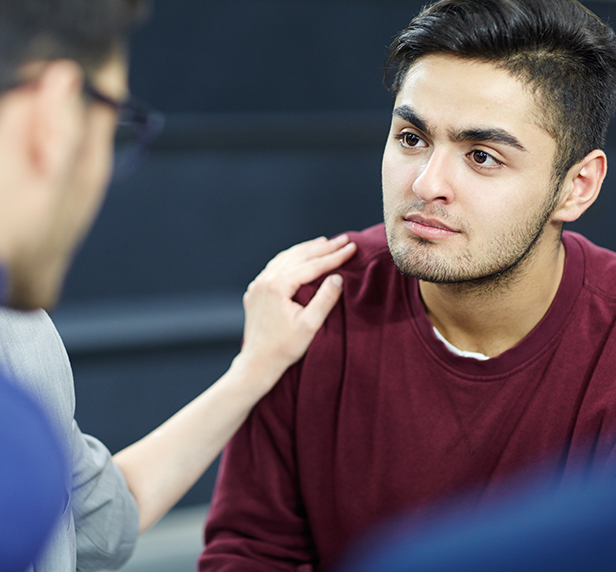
[470, 203]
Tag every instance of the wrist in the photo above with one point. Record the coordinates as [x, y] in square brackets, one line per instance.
[259, 371]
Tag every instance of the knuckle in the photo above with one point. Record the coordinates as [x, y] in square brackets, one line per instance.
[310, 323]
[266, 282]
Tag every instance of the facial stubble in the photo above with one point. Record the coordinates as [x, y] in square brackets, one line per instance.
[505, 257]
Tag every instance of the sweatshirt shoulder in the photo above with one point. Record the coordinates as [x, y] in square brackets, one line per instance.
[371, 245]
[372, 256]
[599, 265]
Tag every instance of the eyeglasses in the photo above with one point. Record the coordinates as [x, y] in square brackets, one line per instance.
[138, 126]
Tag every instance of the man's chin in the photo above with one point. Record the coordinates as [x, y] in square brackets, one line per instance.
[458, 281]
[425, 270]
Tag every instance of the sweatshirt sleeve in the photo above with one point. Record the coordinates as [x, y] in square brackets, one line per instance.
[257, 520]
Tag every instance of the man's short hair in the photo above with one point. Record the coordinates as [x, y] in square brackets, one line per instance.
[562, 51]
[86, 31]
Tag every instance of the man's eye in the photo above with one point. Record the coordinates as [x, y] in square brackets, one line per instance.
[410, 140]
[484, 159]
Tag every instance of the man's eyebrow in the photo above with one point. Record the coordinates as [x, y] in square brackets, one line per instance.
[410, 116]
[479, 135]
[490, 135]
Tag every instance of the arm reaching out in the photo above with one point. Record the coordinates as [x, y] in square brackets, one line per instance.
[163, 465]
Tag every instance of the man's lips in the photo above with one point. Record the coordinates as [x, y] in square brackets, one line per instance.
[426, 227]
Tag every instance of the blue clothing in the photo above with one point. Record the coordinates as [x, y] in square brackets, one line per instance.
[534, 530]
[100, 527]
[97, 519]
[32, 476]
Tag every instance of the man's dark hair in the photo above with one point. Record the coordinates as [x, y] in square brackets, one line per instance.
[86, 31]
[562, 51]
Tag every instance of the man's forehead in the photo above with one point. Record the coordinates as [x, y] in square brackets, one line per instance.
[466, 80]
[448, 93]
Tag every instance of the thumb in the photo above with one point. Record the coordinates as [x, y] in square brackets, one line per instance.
[322, 302]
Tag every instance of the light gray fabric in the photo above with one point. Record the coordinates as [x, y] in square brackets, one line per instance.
[100, 525]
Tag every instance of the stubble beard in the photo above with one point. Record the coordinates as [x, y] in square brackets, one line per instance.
[500, 264]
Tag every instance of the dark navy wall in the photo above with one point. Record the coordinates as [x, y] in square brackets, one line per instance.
[266, 55]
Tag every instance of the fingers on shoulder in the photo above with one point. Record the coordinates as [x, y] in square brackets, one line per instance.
[312, 269]
[322, 303]
[309, 250]
[293, 268]
[337, 257]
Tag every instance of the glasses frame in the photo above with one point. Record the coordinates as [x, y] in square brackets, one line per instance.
[147, 122]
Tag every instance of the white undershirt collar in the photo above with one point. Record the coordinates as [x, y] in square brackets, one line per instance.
[453, 349]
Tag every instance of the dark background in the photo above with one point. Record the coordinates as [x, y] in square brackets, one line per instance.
[276, 119]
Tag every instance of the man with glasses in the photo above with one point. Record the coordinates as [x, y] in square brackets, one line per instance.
[63, 102]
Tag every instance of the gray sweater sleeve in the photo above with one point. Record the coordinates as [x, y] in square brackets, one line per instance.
[105, 512]
[100, 527]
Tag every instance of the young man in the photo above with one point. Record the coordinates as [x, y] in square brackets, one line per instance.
[486, 346]
[63, 89]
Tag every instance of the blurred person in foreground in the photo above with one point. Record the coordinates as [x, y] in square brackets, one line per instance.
[474, 339]
[535, 528]
[32, 476]
[63, 83]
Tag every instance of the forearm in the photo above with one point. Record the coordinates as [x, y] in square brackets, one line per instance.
[162, 466]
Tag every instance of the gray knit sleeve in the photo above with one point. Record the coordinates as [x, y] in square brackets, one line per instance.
[106, 513]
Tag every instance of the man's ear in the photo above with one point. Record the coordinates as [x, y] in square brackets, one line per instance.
[581, 186]
[56, 117]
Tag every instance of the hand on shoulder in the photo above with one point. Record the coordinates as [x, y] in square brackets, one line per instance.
[278, 330]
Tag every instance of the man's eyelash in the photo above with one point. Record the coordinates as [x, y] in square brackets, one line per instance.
[496, 161]
[401, 136]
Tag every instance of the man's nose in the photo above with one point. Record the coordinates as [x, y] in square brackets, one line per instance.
[434, 180]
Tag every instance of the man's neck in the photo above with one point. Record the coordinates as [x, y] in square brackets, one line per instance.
[494, 316]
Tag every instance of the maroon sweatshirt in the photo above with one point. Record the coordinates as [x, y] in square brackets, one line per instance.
[380, 417]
